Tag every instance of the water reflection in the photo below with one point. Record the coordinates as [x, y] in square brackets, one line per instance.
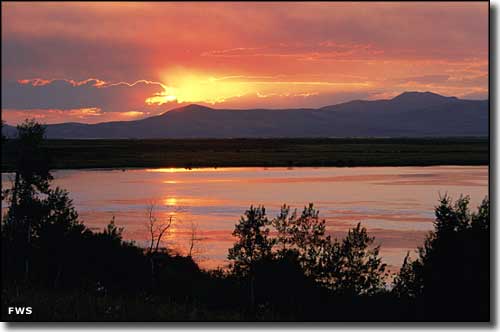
[394, 203]
[171, 201]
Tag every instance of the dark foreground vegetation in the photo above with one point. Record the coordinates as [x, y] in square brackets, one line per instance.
[258, 152]
[283, 268]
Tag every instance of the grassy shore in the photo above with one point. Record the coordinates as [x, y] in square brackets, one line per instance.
[74, 154]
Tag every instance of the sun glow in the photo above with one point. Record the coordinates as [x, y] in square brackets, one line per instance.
[193, 87]
[186, 170]
[161, 98]
[171, 201]
[132, 114]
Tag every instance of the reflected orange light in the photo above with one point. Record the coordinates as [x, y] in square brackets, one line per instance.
[171, 201]
[202, 169]
[167, 170]
[132, 114]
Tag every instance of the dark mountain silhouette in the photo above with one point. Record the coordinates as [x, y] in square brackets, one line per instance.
[411, 114]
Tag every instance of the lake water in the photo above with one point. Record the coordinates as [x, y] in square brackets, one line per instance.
[395, 204]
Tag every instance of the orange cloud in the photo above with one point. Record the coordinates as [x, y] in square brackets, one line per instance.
[83, 115]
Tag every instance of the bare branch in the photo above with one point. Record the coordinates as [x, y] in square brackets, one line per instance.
[194, 240]
[157, 229]
[162, 229]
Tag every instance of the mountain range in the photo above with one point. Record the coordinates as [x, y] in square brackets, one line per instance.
[410, 114]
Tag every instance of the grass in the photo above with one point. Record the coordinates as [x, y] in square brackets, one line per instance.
[50, 305]
[75, 306]
[74, 154]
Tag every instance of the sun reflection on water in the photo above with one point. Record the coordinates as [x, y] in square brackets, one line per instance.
[170, 201]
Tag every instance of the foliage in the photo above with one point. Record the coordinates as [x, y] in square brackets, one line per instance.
[305, 235]
[408, 283]
[253, 242]
[361, 269]
[351, 266]
[3, 137]
[452, 270]
[27, 207]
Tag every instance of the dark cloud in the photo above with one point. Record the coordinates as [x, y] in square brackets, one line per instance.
[66, 94]
[63, 56]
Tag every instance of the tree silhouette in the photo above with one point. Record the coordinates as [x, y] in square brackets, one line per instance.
[252, 246]
[253, 241]
[284, 224]
[451, 273]
[41, 233]
[407, 282]
[362, 269]
[349, 266]
[353, 266]
[3, 137]
[302, 237]
[309, 237]
[32, 178]
[57, 234]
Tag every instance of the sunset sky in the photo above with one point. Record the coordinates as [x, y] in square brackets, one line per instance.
[94, 62]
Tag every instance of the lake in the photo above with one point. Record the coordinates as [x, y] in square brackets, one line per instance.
[395, 204]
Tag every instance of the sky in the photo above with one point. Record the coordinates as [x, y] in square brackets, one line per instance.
[92, 62]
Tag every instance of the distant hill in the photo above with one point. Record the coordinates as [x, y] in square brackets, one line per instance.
[411, 114]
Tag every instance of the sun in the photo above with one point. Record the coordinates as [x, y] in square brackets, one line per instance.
[161, 98]
[171, 201]
[190, 86]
